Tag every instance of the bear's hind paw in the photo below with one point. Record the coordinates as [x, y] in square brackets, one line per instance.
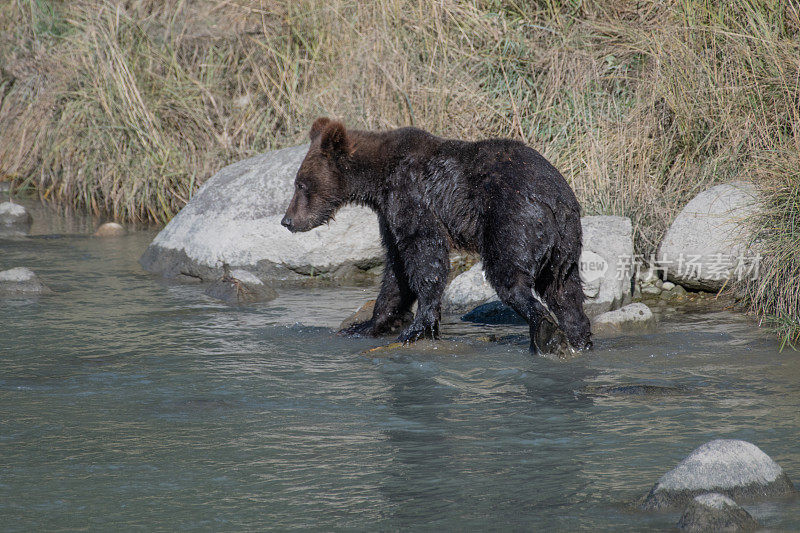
[414, 333]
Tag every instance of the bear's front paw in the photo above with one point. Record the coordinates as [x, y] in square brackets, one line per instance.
[360, 329]
[415, 331]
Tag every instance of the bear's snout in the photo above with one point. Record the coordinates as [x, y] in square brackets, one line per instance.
[286, 222]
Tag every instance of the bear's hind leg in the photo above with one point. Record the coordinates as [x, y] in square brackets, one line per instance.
[516, 289]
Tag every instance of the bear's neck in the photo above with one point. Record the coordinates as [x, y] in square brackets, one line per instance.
[376, 157]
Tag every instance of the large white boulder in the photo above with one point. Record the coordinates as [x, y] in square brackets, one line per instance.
[235, 217]
[708, 241]
[606, 270]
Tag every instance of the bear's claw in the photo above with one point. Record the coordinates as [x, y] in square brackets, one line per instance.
[360, 329]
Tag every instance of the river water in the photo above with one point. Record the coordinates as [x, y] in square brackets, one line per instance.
[130, 402]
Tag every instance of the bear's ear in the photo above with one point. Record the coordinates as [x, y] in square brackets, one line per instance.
[334, 139]
[317, 127]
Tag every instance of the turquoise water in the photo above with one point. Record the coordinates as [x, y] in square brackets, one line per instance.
[127, 401]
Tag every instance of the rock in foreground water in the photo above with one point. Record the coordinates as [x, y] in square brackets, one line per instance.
[20, 281]
[14, 219]
[240, 286]
[234, 218]
[716, 512]
[735, 468]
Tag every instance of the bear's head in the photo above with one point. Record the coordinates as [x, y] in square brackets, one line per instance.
[319, 188]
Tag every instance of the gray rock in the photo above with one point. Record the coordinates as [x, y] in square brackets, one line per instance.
[593, 268]
[716, 512]
[667, 286]
[648, 276]
[14, 219]
[668, 295]
[467, 290]
[606, 270]
[735, 468]
[611, 238]
[21, 281]
[240, 286]
[709, 236]
[632, 317]
[235, 218]
[651, 290]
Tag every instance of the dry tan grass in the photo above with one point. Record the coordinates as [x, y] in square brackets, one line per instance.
[125, 107]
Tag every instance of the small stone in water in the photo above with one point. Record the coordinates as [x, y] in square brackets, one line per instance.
[21, 280]
[14, 218]
[110, 229]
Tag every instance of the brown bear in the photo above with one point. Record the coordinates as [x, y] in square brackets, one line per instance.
[497, 197]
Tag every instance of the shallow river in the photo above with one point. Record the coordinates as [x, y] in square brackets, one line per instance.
[127, 401]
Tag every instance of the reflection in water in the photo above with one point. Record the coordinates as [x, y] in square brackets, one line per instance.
[128, 401]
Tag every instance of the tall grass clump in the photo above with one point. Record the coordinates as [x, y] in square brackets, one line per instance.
[125, 107]
[774, 295]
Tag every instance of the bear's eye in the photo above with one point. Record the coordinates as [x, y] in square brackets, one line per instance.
[302, 186]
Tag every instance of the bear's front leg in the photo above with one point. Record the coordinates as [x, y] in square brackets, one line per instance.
[393, 305]
[426, 264]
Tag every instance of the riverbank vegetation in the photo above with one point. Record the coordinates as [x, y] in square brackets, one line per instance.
[126, 107]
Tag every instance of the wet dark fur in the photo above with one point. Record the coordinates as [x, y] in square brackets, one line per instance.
[497, 197]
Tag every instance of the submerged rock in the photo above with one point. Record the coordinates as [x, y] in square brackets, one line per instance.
[240, 286]
[709, 237]
[716, 512]
[362, 314]
[21, 281]
[735, 468]
[235, 218]
[494, 313]
[14, 219]
[606, 269]
[635, 389]
[110, 229]
[632, 317]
